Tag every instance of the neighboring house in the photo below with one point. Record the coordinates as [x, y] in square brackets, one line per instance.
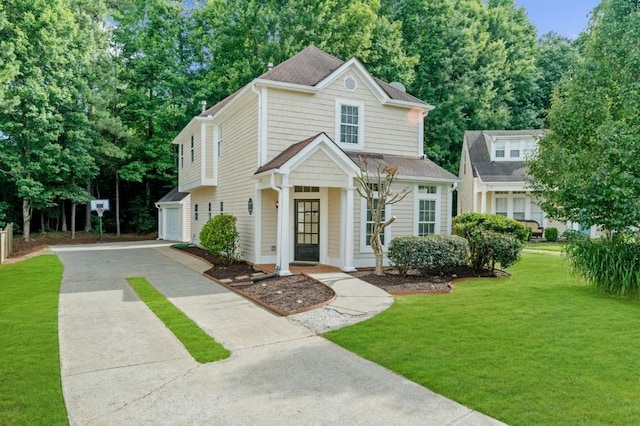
[281, 155]
[493, 175]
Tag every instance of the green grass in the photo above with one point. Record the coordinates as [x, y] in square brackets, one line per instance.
[30, 385]
[545, 246]
[202, 347]
[540, 347]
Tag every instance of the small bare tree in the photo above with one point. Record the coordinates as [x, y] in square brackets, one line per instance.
[374, 183]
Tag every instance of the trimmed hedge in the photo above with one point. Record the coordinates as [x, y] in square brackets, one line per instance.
[551, 234]
[219, 236]
[436, 252]
[465, 223]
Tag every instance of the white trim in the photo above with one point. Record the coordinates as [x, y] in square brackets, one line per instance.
[339, 102]
[263, 141]
[257, 219]
[421, 115]
[364, 248]
[437, 197]
[203, 154]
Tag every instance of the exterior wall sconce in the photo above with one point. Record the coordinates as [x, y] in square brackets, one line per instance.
[275, 204]
[250, 206]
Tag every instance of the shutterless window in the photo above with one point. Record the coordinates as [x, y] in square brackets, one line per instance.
[181, 155]
[529, 149]
[349, 124]
[193, 150]
[221, 206]
[501, 206]
[518, 208]
[499, 149]
[306, 189]
[427, 189]
[209, 210]
[219, 141]
[536, 212]
[195, 212]
[514, 151]
[426, 217]
[369, 224]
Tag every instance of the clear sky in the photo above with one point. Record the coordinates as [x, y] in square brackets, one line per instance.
[566, 17]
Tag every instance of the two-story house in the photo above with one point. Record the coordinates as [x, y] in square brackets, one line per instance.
[493, 175]
[281, 155]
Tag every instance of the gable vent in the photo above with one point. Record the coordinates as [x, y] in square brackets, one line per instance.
[350, 84]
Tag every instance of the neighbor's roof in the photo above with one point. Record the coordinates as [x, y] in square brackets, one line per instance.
[173, 195]
[308, 68]
[478, 142]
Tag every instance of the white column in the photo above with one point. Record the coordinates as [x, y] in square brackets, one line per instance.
[285, 240]
[483, 200]
[348, 234]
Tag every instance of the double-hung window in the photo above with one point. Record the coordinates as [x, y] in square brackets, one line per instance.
[427, 209]
[501, 206]
[499, 148]
[519, 208]
[370, 224]
[181, 155]
[350, 123]
[193, 149]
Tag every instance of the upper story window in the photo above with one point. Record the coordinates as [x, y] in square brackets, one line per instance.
[350, 123]
[193, 149]
[181, 155]
[516, 150]
[219, 138]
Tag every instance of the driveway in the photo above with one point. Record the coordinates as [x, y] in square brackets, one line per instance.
[120, 364]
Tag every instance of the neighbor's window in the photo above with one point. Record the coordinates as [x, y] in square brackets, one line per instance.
[193, 150]
[536, 212]
[501, 206]
[195, 211]
[499, 149]
[518, 208]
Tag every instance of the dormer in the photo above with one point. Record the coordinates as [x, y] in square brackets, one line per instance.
[512, 147]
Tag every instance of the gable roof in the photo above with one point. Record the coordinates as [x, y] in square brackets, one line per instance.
[478, 142]
[287, 154]
[311, 67]
[173, 196]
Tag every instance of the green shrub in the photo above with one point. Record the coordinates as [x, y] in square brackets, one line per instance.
[465, 223]
[551, 234]
[434, 252]
[611, 264]
[489, 248]
[220, 236]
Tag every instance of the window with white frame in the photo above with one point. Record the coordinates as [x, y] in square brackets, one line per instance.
[370, 222]
[181, 156]
[350, 123]
[195, 211]
[193, 149]
[519, 208]
[209, 211]
[219, 138]
[427, 209]
[501, 206]
[536, 212]
[512, 150]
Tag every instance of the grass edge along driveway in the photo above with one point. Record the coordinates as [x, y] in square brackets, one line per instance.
[202, 347]
[540, 347]
[30, 384]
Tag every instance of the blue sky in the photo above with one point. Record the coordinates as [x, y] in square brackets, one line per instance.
[566, 17]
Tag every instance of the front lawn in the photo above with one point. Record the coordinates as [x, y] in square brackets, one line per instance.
[540, 347]
[30, 386]
[544, 245]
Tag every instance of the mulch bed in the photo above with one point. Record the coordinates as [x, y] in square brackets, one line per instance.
[283, 295]
[298, 293]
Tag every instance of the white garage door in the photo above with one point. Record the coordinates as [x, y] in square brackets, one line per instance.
[172, 224]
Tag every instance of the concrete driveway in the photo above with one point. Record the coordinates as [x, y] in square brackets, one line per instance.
[120, 364]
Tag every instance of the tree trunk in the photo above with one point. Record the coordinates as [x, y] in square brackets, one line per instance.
[117, 204]
[73, 221]
[63, 216]
[26, 218]
[376, 245]
[87, 214]
[42, 227]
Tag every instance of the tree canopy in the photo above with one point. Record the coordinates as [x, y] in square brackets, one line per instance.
[586, 168]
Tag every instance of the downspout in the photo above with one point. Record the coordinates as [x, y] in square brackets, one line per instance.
[261, 136]
[272, 182]
[452, 188]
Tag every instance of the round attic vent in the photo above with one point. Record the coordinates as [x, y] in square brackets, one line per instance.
[350, 84]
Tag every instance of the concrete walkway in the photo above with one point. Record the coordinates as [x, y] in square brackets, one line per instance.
[120, 364]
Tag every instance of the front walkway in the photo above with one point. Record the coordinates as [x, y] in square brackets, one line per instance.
[120, 364]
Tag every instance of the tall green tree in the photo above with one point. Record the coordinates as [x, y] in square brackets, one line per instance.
[37, 131]
[587, 167]
[8, 66]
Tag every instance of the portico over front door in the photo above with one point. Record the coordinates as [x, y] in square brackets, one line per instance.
[307, 230]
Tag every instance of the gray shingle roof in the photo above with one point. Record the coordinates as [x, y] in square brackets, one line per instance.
[286, 155]
[495, 171]
[173, 195]
[407, 166]
[308, 68]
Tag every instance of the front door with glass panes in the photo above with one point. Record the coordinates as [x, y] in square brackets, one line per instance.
[307, 230]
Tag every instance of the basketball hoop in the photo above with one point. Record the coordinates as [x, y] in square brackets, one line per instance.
[100, 211]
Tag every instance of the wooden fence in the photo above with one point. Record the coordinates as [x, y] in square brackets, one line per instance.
[6, 242]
